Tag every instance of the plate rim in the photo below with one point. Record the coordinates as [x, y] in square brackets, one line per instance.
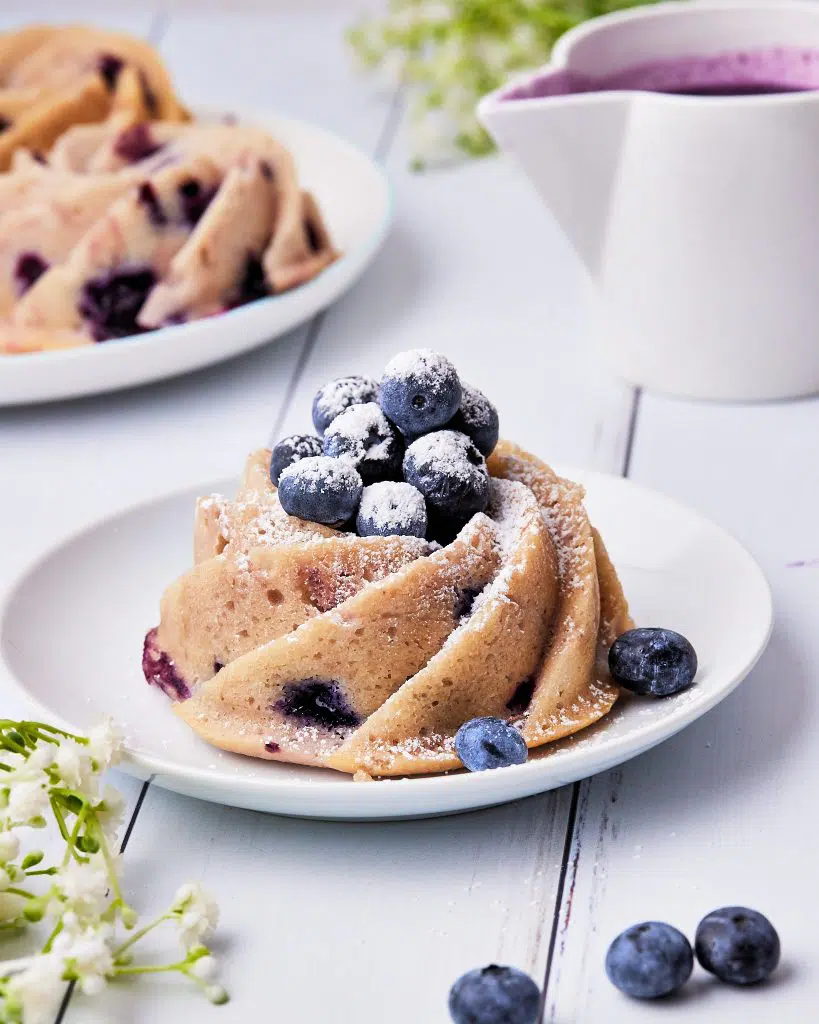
[351, 262]
[462, 790]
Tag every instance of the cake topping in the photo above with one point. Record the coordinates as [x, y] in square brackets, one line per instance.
[420, 391]
[291, 449]
[388, 508]
[477, 418]
[364, 436]
[337, 395]
[321, 490]
[450, 472]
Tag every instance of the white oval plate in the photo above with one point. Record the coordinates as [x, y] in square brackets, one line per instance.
[356, 202]
[72, 629]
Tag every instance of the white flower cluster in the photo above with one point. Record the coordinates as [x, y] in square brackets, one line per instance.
[49, 776]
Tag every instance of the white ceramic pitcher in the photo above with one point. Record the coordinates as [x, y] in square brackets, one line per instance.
[698, 216]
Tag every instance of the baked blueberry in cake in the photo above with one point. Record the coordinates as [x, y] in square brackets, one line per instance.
[325, 624]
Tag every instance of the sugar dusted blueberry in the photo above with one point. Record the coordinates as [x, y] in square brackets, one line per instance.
[337, 395]
[484, 743]
[738, 945]
[649, 960]
[652, 662]
[478, 419]
[450, 472]
[320, 490]
[364, 436]
[392, 509]
[420, 391]
[291, 449]
[494, 995]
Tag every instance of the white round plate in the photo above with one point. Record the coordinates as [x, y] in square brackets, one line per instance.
[356, 202]
[72, 629]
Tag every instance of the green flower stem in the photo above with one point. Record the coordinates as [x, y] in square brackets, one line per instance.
[154, 969]
[58, 927]
[21, 892]
[141, 934]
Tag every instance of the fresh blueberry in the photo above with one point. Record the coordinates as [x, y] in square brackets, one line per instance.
[494, 995]
[477, 418]
[649, 960]
[656, 662]
[291, 449]
[337, 395]
[392, 509]
[450, 472]
[738, 945]
[321, 490]
[364, 436]
[483, 743]
[420, 391]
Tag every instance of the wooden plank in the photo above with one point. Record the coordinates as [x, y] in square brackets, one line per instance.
[721, 814]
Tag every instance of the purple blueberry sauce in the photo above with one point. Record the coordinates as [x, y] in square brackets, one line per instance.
[194, 200]
[150, 200]
[109, 66]
[317, 702]
[520, 700]
[159, 670]
[272, 747]
[759, 72]
[110, 303]
[136, 143]
[29, 267]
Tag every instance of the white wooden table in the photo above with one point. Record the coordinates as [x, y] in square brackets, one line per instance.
[358, 923]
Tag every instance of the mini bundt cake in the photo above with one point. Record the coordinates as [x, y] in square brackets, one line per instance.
[357, 644]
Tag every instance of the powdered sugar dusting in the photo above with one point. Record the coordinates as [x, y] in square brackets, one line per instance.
[392, 507]
[367, 432]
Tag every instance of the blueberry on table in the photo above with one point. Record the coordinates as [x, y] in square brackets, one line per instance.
[337, 395]
[652, 662]
[484, 743]
[420, 391]
[320, 490]
[649, 960]
[737, 945]
[291, 449]
[364, 436]
[494, 995]
[392, 509]
[450, 472]
[478, 419]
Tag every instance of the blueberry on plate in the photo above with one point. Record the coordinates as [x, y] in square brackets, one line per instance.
[655, 662]
[494, 995]
[737, 945]
[484, 743]
[291, 449]
[478, 419]
[364, 436]
[649, 960]
[450, 472]
[420, 391]
[392, 509]
[320, 490]
[337, 395]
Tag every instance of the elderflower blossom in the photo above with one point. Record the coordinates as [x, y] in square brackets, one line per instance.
[91, 930]
[197, 914]
[38, 990]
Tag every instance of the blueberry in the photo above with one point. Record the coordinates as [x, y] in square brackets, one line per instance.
[194, 199]
[420, 391]
[450, 472]
[658, 662]
[291, 449]
[317, 702]
[321, 490]
[29, 268]
[392, 509]
[337, 395]
[111, 302]
[252, 285]
[738, 945]
[109, 66]
[364, 436]
[494, 995]
[649, 960]
[483, 743]
[136, 143]
[477, 418]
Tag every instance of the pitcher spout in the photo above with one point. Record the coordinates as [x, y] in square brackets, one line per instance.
[568, 141]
